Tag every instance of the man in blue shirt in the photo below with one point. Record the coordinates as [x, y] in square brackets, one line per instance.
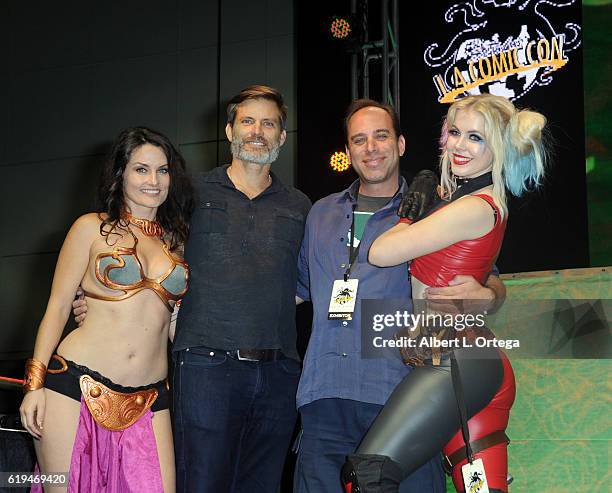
[340, 393]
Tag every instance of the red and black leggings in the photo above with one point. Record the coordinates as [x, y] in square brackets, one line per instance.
[422, 417]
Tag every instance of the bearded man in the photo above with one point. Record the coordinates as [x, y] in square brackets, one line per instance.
[236, 364]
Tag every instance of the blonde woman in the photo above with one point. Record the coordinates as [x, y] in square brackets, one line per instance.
[489, 148]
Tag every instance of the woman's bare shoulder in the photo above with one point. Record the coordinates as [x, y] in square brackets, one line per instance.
[89, 220]
[87, 225]
[470, 208]
[470, 216]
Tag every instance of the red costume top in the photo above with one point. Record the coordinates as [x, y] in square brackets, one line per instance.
[468, 257]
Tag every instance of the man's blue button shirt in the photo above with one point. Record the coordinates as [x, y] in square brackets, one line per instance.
[333, 366]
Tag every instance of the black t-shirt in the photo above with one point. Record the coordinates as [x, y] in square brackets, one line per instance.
[242, 255]
[365, 203]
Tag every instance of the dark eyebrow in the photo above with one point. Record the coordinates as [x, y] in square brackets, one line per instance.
[271, 119]
[377, 131]
[138, 163]
[471, 131]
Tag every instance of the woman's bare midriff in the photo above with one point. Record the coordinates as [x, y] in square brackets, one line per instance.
[125, 340]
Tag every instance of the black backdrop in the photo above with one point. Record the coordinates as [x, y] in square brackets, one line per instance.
[547, 229]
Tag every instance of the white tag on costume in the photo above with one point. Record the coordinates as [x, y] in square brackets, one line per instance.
[474, 477]
[343, 298]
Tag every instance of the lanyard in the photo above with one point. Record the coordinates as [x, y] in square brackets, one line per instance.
[353, 252]
[458, 388]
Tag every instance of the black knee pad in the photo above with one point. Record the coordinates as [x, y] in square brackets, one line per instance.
[366, 473]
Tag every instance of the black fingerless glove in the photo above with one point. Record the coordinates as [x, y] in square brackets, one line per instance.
[420, 195]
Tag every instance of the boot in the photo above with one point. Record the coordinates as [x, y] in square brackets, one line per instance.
[363, 473]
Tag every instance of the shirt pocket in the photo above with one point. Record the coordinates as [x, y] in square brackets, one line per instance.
[211, 217]
[288, 225]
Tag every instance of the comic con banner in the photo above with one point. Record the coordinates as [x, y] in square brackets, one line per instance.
[530, 52]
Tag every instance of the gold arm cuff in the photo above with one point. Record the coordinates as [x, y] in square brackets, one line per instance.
[35, 373]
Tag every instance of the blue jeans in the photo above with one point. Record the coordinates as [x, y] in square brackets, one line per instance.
[331, 430]
[233, 421]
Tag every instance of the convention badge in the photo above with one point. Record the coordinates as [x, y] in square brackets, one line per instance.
[343, 297]
[474, 477]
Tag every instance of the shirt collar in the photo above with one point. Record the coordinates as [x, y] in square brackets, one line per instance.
[219, 175]
[352, 192]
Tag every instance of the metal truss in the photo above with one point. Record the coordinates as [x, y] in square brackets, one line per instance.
[384, 51]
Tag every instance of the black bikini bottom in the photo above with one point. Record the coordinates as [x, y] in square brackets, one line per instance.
[67, 383]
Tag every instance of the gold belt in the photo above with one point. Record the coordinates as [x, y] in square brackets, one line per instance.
[113, 410]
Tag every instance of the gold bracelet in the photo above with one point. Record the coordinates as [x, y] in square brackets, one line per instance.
[35, 373]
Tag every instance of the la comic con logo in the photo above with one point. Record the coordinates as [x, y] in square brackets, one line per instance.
[486, 54]
[344, 296]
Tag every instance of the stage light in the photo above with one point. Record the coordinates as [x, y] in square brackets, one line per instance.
[340, 27]
[339, 161]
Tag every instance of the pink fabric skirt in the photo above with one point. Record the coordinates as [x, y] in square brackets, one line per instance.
[105, 461]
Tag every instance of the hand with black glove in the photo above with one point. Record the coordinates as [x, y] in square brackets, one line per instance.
[419, 197]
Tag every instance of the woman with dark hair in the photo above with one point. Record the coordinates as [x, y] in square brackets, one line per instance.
[458, 401]
[100, 409]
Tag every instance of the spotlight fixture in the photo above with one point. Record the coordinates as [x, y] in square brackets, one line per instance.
[339, 161]
[340, 27]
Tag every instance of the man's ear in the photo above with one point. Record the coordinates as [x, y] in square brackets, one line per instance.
[348, 153]
[401, 143]
[229, 132]
[283, 137]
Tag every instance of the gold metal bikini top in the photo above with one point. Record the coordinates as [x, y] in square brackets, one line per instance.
[121, 270]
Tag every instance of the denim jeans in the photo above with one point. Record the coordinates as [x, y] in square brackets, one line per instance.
[233, 421]
[331, 430]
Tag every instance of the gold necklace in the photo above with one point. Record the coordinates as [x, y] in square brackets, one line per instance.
[149, 228]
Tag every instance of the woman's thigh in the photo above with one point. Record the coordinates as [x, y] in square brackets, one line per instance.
[422, 414]
[54, 449]
[418, 419]
[162, 429]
